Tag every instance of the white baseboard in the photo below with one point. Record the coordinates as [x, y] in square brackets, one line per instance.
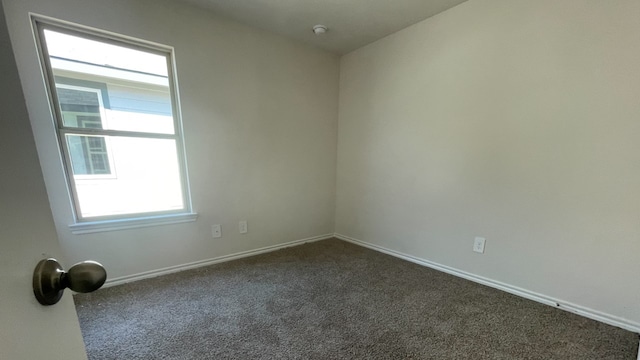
[216, 260]
[548, 300]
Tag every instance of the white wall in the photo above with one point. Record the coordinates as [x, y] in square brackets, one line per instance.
[518, 121]
[28, 330]
[260, 121]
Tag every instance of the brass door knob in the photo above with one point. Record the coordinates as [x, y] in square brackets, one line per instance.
[50, 279]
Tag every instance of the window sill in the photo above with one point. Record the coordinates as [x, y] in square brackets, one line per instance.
[123, 224]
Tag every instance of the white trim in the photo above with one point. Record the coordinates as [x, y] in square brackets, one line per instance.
[196, 264]
[122, 224]
[544, 299]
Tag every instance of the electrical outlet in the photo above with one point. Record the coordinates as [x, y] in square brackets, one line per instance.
[242, 226]
[216, 231]
[478, 245]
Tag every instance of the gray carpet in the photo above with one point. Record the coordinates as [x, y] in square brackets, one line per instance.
[332, 300]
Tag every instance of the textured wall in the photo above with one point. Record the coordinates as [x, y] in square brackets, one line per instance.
[512, 120]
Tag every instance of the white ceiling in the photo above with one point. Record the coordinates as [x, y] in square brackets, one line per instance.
[351, 23]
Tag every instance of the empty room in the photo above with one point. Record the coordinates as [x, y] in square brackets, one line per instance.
[316, 179]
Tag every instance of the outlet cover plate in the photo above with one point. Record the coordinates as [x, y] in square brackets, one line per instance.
[478, 244]
[216, 231]
[242, 227]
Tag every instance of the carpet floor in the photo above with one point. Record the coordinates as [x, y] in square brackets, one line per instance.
[332, 300]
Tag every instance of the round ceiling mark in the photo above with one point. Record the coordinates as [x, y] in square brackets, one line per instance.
[319, 29]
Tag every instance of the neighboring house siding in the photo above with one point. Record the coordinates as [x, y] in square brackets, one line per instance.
[129, 98]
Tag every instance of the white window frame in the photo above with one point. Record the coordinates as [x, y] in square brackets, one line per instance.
[121, 221]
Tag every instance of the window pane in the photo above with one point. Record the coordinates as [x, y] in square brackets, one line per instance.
[80, 49]
[146, 176]
[128, 89]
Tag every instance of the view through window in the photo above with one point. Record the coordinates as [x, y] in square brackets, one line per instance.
[118, 127]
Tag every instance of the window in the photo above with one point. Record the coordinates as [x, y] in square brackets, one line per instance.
[82, 107]
[117, 122]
